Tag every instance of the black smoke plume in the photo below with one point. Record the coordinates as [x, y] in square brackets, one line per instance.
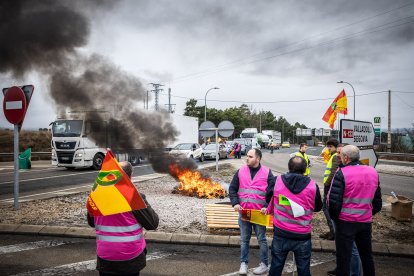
[46, 35]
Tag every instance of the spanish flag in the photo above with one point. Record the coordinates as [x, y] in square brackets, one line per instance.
[113, 191]
[339, 105]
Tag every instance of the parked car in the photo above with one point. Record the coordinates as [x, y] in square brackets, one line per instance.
[286, 145]
[190, 150]
[210, 151]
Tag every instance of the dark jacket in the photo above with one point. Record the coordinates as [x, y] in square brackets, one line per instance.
[296, 183]
[149, 220]
[235, 184]
[336, 194]
[335, 165]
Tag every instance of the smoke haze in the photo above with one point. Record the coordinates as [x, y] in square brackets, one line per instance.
[47, 36]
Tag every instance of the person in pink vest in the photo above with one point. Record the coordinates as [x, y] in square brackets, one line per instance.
[292, 202]
[120, 243]
[354, 197]
[248, 191]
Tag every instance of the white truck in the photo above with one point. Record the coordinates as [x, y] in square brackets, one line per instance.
[72, 147]
[249, 133]
[274, 135]
[188, 128]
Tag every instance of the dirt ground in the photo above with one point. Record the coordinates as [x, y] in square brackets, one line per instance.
[179, 213]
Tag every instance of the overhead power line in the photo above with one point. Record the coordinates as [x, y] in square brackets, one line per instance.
[383, 27]
[294, 43]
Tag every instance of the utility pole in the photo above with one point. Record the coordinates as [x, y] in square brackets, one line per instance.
[170, 110]
[389, 122]
[156, 91]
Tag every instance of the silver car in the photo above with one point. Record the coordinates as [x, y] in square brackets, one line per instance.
[190, 150]
[210, 151]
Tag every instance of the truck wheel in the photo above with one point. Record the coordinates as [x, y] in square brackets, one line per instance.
[97, 161]
[134, 160]
[202, 158]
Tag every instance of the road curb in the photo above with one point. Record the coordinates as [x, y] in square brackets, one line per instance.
[384, 249]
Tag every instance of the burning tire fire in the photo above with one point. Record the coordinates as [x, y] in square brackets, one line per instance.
[193, 183]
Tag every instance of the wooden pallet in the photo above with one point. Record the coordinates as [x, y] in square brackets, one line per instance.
[221, 216]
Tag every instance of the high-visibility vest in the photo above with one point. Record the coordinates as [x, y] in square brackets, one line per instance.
[252, 192]
[283, 216]
[304, 156]
[328, 170]
[119, 237]
[361, 182]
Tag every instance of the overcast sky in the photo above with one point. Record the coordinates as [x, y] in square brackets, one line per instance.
[262, 53]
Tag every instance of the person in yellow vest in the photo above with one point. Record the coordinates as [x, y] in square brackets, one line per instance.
[303, 147]
[329, 173]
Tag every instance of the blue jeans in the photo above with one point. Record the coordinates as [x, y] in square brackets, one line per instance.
[246, 234]
[355, 259]
[280, 249]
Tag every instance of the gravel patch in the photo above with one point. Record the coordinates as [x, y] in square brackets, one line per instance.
[178, 213]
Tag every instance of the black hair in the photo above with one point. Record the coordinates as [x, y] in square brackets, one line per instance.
[258, 153]
[332, 142]
[297, 164]
[302, 144]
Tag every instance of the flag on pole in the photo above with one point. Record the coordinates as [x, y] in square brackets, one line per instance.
[113, 191]
[339, 105]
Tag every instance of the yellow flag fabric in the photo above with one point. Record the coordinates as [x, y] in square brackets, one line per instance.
[113, 191]
[256, 217]
[339, 105]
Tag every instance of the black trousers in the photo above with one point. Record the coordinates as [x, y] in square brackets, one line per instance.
[346, 234]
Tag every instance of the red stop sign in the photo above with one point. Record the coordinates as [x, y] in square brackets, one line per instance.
[14, 105]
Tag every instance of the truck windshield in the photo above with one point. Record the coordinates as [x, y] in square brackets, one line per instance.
[67, 128]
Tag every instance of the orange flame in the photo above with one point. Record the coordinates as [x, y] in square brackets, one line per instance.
[192, 183]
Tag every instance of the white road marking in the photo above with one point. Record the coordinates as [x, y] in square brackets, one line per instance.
[289, 266]
[33, 245]
[74, 268]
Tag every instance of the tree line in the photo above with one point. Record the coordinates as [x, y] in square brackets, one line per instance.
[243, 117]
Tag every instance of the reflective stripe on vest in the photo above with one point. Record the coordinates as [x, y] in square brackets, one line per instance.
[357, 200]
[258, 201]
[354, 211]
[294, 221]
[251, 191]
[290, 212]
[328, 170]
[119, 238]
[117, 229]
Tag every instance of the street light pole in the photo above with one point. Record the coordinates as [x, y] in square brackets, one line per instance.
[353, 91]
[205, 103]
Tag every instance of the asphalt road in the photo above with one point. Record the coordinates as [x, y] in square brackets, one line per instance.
[41, 255]
[44, 178]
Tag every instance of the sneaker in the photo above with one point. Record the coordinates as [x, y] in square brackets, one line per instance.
[332, 272]
[243, 268]
[261, 269]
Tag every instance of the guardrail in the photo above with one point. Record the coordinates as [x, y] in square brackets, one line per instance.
[36, 155]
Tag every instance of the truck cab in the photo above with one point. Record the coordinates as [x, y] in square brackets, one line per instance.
[71, 147]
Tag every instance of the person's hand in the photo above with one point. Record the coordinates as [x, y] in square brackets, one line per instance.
[263, 210]
[237, 207]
